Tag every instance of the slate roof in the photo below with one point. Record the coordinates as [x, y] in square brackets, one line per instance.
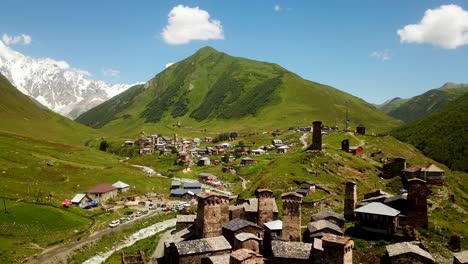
[237, 224]
[291, 250]
[102, 188]
[252, 206]
[326, 215]
[244, 254]
[303, 191]
[192, 185]
[204, 245]
[205, 175]
[220, 259]
[291, 194]
[413, 168]
[317, 226]
[377, 209]
[246, 236]
[432, 168]
[180, 192]
[186, 218]
[175, 183]
[462, 257]
[403, 196]
[336, 239]
[405, 248]
[274, 225]
[120, 185]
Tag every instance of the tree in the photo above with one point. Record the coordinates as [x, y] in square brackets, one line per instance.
[103, 146]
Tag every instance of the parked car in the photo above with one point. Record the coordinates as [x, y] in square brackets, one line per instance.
[144, 212]
[138, 214]
[128, 213]
[123, 220]
[114, 223]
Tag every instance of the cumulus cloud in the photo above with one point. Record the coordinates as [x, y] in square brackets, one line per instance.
[111, 72]
[277, 8]
[169, 64]
[19, 39]
[190, 23]
[382, 55]
[445, 27]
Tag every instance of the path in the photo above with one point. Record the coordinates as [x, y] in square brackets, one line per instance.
[159, 251]
[149, 171]
[61, 253]
[244, 182]
[137, 236]
[303, 139]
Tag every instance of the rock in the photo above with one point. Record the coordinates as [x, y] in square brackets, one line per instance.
[50, 163]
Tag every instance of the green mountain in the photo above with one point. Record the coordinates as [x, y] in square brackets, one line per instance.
[22, 115]
[443, 135]
[215, 91]
[425, 104]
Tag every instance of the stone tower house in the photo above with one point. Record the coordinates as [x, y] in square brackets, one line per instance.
[291, 216]
[212, 214]
[350, 200]
[337, 249]
[317, 135]
[265, 206]
[417, 202]
[345, 145]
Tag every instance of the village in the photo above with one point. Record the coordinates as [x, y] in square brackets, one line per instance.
[214, 225]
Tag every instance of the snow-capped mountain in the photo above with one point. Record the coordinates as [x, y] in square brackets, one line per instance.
[55, 84]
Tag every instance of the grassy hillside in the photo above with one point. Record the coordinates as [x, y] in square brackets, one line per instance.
[392, 104]
[214, 91]
[425, 104]
[443, 135]
[21, 115]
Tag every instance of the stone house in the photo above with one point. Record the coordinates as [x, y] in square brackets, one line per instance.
[393, 167]
[290, 252]
[247, 161]
[361, 130]
[306, 188]
[121, 187]
[460, 257]
[237, 226]
[377, 218]
[248, 241]
[335, 218]
[204, 176]
[245, 256]
[102, 192]
[212, 214]
[185, 221]
[406, 252]
[337, 249]
[433, 175]
[318, 229]
[193, 251]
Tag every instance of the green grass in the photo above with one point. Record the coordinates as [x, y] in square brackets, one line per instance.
[28, 228]
[215, 92]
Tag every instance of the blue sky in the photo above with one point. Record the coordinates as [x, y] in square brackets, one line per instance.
[330, 42]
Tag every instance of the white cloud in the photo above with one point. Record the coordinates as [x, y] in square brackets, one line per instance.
[382, 55]
[20, 39]
[186, 24]
[445, 27]
[277, 8]
[111, 72]
[169, 64]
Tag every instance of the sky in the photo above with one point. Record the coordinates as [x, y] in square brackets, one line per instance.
[375, 50]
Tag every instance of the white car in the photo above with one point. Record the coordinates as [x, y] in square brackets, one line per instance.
[114, 223]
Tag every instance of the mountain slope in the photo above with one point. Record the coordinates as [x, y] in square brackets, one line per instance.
[212, 90]
[443, 135]
[54, 84]
[19, 114]
[425, 104]
[392, 104]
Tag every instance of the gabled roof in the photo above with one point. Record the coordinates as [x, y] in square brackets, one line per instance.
[274, 225]
[326, 215]
[244, 254]
[292, 250]
[405, 248]
[336, 239]
[462, 257]
[377, 209]
[220, 259]
[204, 245]
[321, 225]
[251, 205]
[101, 188]
[78, 197]
[403, 196]
[120, 185]
[205, 174]
[237, 224]
[432, 168]
[192, 185]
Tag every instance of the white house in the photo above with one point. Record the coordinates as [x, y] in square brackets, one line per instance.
[121, 186]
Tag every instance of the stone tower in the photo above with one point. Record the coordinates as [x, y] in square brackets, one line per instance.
[317, 135]
[350, 200]
[337, 249]
[265, 206]
[417, 202]
[291, 216]
[212, 214]
[175, 140]
[345, 145]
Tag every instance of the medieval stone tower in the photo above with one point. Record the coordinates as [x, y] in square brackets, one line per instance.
[291, 216]
[317, 135]
[417, 202]
[350, 200]
[337, 249]
[265, 206]
[212, 214]
[345, 145]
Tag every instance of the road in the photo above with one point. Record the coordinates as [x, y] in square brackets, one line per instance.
[60, 254]
[204, 186]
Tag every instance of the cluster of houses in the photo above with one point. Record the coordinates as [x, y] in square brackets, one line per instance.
[97, 195]
[430, 173]
[250, 232]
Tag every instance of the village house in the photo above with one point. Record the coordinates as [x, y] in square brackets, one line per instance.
[247, 161]
[430, 173]
[406, 252]
[306, 188]
[273, 229]
[121, 187]
[335, 218]
[175, 185]
[377, 218]
[393, 167]
[258, 151]
[361, 130]
[336, 249]
[290, 252]
[276, 142]
[205, 161]
[283, 149]
[102, 192]
[237, 226]
[184, 159]
[245, 256]
[318, 229]
[356, 150]
[193, 251]
[218, 259]
[80, 200]
[185, 221]
[205, 176]
[248, 241]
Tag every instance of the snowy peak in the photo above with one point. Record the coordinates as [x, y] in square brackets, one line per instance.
[54, 83]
